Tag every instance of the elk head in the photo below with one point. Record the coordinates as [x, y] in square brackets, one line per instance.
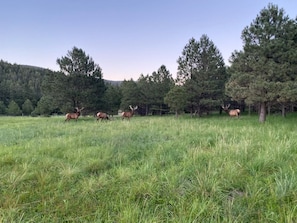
[233, 112]
[129, 114]
[74, 115]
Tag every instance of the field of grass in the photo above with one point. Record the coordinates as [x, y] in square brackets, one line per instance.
[151, 169]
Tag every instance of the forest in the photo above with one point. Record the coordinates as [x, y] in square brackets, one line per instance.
[261, 78]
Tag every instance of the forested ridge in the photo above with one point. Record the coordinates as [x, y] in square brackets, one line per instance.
[20, 85]
[262, 77]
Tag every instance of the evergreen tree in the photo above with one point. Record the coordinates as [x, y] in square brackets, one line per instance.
[80, 82]
[55, 87]
[162, 83]
[153, 89]
[130, 94]
[112, 99]
[44, 106]
[2, 108]
[13, 108]
[175, 99]
[202, 70]
[265, 71]
[21, 82]
[147, 93]
[27, 107]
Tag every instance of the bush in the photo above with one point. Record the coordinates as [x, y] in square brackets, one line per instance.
[13, 108]
[27, 107]
[2, 108]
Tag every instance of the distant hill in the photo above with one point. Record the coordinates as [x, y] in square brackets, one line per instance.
[40, 68]
[113, 82]
[32, 67]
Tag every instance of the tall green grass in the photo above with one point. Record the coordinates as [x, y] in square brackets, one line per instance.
[148, 169]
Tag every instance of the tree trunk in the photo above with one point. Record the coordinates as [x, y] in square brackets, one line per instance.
[262, 115]
[249, 110]
[199, 111]
[191, 112]
[283, 110]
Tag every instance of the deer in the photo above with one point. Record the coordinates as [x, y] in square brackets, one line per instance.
[74, 115]
[129, 114]
[102, 116]
[233, 112]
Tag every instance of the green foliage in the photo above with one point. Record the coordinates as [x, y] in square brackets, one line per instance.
[76, 62]
[130, 94]
[151, 169]
[13, 108]
[265, 71]
[27, 107]
[202, 70]
[2, 108]
[147, 93]
[162, 83]
[176, 98]
[44, 106]
[79, 83]
[54, 86]
[153, 89]
[20, 82]
[112, 99]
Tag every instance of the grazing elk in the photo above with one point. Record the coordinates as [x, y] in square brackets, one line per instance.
[232, 113]
[74, 115]
[102, 116]
[129, 114]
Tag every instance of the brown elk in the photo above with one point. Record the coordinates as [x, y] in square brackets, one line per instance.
[233, 112]
[129, 114]
[74, 115]
[102, 116]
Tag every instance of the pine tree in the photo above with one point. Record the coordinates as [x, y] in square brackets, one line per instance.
[27, 107]
[175, 99]
[130, 94]
[79, 82]
[267, 64]
[202, 70]
[13, 108]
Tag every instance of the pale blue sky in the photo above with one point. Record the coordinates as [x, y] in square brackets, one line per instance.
[126, 38]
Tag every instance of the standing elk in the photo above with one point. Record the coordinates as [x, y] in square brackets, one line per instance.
[129, 114]
[102, 116]
[74, 115]
[233, 112]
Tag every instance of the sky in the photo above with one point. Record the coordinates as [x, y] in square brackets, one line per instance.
[126, 38]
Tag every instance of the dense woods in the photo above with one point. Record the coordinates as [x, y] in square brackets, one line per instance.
[20, 88]
[262, 76]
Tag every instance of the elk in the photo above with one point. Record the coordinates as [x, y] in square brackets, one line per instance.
[102, 116]
[129, 114]
[74, 115]
[233, 112]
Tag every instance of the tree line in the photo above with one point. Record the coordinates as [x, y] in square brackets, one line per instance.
[261, 76]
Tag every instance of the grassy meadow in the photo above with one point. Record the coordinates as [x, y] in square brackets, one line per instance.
[148, 169]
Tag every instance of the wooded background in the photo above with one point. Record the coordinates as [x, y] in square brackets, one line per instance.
[262, 76]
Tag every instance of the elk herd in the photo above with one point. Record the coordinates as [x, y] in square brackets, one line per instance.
[128, 114]
[101, 115]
